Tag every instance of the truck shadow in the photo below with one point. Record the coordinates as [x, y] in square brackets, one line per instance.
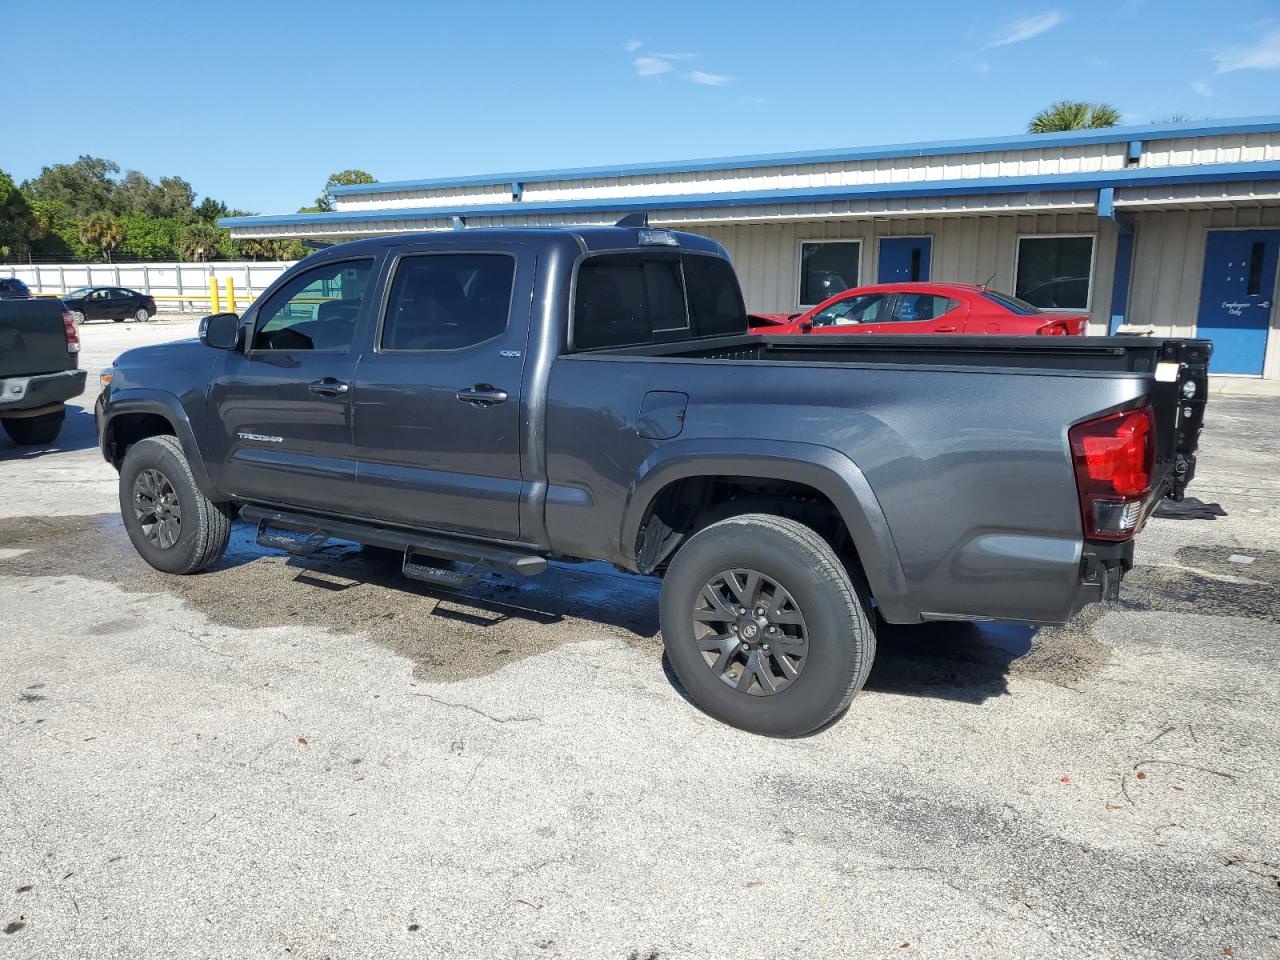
[453, 635]
[79, 432]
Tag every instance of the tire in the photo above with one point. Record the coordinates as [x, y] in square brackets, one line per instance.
[142, 316]
[29, 431]
[821, 612]
[77, 317]
[203, 527]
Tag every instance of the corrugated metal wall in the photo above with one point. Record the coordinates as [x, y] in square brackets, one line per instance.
[965, 250]
[1168, 267]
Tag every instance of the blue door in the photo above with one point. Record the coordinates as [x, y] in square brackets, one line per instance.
[904, 259]
[1237, 297]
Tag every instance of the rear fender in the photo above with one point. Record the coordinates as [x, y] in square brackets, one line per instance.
[828, 471]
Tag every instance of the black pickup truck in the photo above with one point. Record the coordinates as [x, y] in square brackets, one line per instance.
[488, 400]
[39, 356]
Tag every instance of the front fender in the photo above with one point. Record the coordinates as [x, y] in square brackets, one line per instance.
[161, 403]
[828, 471]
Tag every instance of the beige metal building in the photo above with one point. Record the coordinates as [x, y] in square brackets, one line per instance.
[1176, 225]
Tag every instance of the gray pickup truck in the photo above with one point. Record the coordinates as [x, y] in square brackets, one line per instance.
[39, 357]
[485, 401]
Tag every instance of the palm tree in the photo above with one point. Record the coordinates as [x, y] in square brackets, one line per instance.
[102, 232]
[1074, 115]
[200, 241]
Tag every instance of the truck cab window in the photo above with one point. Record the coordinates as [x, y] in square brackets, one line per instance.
[715, 303]
[448, 301]
[316, 310]
[628, 298]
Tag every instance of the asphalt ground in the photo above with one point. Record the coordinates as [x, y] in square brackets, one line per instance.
[317, 759]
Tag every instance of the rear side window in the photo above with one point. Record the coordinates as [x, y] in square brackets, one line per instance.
[1012, 304]
[715, 303]
[626, 299]
[447, 301]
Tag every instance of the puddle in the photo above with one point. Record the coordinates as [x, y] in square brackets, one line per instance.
[1207, 582]
[346, 589]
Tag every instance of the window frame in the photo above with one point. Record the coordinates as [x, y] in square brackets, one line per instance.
[799, 262]
[570, 345]
[1093, 260]
[389, 284]
[259, 323]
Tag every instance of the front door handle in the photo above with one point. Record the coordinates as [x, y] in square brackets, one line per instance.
[944, 329]
[328, 387]
[482, 395]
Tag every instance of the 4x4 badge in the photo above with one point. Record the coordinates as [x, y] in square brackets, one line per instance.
[508, 353]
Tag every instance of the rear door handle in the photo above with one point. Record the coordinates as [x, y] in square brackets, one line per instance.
[944, 329]
[328, 387]
[482, 395]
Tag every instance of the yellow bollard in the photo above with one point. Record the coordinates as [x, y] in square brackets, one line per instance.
[231, 295]
[215, 305]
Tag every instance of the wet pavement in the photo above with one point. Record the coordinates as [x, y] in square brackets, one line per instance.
[316, 758]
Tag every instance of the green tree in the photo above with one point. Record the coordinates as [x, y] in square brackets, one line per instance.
[343, 178]
[19, 226]
[84, 187]
[1073, 115]
[103, 233]
[150, 238]
[200, 241]
[210, 210]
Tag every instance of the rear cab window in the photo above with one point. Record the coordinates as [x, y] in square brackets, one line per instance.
[634, 298]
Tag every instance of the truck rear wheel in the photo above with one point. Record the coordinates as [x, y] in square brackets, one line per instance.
[173, 525]
[763, 626]
[29, 431]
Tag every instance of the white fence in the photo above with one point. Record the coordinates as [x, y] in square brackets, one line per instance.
[176, 286]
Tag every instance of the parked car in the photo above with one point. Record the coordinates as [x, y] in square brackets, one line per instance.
[11, 288]
[39, 357]
[925, 308]
[487, 400]
[109, 303]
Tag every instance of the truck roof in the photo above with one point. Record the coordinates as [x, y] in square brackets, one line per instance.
[586, 238]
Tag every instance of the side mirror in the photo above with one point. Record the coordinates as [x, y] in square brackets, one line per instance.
[806, 327]
[221, 331]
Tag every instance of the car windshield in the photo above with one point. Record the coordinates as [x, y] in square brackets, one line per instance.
[1012, 304]
[80, 292]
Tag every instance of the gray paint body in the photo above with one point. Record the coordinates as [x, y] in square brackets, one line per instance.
[955, 482]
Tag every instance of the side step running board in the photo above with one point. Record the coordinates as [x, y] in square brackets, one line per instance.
[302, 535]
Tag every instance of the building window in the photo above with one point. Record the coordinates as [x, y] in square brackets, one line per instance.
[827, 267]
[1055, 273]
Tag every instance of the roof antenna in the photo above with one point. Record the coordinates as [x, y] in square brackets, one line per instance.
[634, 220]
[987, 282]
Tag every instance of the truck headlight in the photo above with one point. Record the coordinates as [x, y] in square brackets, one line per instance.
[105, 375]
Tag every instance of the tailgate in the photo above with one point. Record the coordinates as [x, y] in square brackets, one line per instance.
[1181, 390]
[33, 338]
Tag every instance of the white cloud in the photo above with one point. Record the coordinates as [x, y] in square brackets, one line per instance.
[651, 66]
[1202, 88]
[676, 56]
[1263, 55]
[706, 79]
[1017, 31]
[631, 46]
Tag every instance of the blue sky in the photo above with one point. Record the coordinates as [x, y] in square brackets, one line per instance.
[256, 103]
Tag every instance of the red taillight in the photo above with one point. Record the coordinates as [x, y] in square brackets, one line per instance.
[1053, 330]
[1114, 458]
[73, 335]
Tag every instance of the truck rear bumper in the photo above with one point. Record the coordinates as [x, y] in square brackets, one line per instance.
[1102, 566]
[42, 390]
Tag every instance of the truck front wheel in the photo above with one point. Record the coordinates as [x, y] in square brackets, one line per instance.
[763, 626]
[173, 525]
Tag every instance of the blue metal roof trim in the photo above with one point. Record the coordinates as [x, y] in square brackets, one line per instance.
[1165, 131]
[1157, 176]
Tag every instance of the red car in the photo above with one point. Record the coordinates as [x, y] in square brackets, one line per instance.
[924, 308]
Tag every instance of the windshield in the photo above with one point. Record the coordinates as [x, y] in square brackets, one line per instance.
[1012, 304]
[79, 292]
